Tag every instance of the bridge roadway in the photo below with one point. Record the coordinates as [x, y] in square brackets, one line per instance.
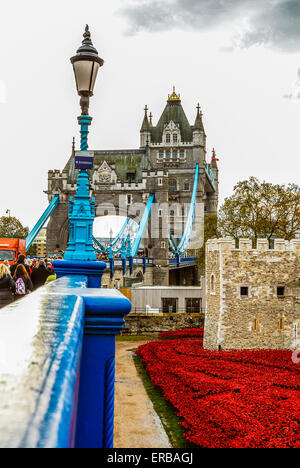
[146, 262]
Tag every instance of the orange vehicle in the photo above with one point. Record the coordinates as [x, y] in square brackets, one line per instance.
[11, 248]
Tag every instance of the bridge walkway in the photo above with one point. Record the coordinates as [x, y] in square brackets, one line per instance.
[136, 423]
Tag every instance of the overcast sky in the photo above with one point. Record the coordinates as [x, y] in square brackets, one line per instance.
[238, 58]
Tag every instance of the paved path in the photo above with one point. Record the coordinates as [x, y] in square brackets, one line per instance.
[136, 423]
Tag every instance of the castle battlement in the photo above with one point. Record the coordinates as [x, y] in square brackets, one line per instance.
[172, 145]
[57, 174]
[228, 244]
[252, 295]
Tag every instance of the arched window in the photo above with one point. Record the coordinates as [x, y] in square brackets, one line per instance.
[175, 138]
[186, 186]
[140, 276]
[168, 138]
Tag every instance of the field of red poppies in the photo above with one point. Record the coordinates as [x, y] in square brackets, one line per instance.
[227, 399]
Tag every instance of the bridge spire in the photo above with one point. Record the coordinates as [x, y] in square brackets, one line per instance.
[174, 96]
[145, 124]
[214, 158]
[198, 122]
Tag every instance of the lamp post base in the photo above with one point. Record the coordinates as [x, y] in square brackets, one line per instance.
[93, 270]
[80, 256]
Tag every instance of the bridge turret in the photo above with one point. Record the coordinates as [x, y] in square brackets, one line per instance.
[214, 171]
[145, 130]
[199, 136]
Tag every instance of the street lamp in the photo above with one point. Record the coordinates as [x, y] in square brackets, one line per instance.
[86, 64]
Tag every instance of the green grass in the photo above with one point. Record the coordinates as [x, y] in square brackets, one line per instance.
[137, 337]
[165, 410]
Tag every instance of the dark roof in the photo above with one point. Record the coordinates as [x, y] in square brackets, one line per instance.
[173, 111]
[124, 161]
[198, 122]
[145, 125]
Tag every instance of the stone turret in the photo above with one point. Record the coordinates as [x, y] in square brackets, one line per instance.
[199, 136]
[145, 130]
[215, 171]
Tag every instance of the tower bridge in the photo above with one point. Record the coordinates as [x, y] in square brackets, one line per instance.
[63, 346]
[164, 168]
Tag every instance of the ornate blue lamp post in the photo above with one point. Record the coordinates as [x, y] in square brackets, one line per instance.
[86, 64]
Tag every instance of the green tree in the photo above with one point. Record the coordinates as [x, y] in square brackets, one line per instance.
[210, 232]
[261, 210]
[31, 252]
[12, 228]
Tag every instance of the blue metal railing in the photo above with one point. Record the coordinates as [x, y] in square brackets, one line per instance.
[183, 261]
[60, 344]
[210, 175]
[118, 262]
[41, 222]
[119, 238]
[120, 234]
[185, 240]
[98, 246]
[140, 233]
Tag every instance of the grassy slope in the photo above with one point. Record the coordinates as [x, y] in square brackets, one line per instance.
[165, 411]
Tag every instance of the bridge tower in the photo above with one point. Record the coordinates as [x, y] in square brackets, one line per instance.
[122, 181]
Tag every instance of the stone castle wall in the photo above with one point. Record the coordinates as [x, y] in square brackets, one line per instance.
[153, 324]
[263, 318]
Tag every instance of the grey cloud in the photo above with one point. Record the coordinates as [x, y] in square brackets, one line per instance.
[278, 27]
[157, 15]
[275, 23]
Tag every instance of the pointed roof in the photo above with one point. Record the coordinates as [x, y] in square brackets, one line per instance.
[145, 125]
[214, 158]
[173, 112]
[198, 122]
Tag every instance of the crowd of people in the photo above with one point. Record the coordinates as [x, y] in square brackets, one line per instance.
[105, 256]
[22, 278]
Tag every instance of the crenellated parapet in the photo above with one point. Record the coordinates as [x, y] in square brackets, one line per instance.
[228, 245]
[59, 184]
